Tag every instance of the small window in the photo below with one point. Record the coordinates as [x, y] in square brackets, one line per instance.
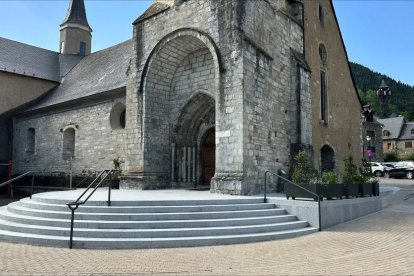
[408, 145]
[323, 54]
[82, 48]
[68, 143]
[117, 118]
[412, 132]
[30, 141]
[386, 133]
[324, 98]
[389, 146]
[321, 13]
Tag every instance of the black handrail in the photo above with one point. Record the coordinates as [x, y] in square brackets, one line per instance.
[84, 180]
[33, 173]
[297, 186]
[75, 204]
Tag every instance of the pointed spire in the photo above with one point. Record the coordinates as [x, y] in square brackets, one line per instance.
[76, 14]
[383, 84]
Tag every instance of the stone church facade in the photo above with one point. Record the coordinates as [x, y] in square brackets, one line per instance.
[205, 92]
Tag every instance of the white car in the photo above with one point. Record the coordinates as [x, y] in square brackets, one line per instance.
[377, 169]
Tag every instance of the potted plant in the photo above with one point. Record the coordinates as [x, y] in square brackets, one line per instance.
[330, 188]
[375, 186]
[365, 185]
[303, 175]
[117, 163]
[350, 178]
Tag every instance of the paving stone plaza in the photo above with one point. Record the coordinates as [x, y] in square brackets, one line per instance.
[379, 244]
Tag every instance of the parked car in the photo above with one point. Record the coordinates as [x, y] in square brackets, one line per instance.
[401, 169]
[377, 169]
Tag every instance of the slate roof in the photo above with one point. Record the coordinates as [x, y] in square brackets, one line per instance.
[393, 125]
[153, 10]
[76, 14]
[96, 73]
[406, 132]
[23, 59]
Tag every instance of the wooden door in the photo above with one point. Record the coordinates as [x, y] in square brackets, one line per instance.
[208, 156]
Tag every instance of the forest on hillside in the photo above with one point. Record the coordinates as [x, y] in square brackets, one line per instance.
[368, 81]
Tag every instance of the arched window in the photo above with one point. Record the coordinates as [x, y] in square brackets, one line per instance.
[327, 159]
[68, 143]
[386, 133]
[30, 141]
[117, 118]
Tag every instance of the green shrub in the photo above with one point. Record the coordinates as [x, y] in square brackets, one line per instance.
[366, 168]
[352, 175]
[411, 157]
[351, 170]
[391, 157]
[303, 171]
[328, 178]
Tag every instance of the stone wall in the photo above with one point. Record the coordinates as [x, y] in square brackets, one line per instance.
[247, 45]
[96, 142]
[341, 129]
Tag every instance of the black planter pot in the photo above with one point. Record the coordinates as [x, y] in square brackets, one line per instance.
[115, 183]
[333, 191]
[351, 190]
[365, 189]
[375, 189]
[294, 192]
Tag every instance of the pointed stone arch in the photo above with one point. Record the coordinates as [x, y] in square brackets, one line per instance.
[328, 162]
[181, 65]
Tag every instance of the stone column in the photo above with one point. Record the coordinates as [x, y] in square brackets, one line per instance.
[173, 162]
[183, 165]
[189, 169]
[194, 165]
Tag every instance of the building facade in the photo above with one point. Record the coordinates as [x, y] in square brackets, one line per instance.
[398, 137]
[205, 92]
[336, 107]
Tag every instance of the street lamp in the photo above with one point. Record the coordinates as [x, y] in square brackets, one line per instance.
[369, 153]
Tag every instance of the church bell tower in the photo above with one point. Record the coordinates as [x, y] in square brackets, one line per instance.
[384, 93]
[75, 32]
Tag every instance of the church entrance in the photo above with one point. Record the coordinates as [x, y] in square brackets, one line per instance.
[208, 156]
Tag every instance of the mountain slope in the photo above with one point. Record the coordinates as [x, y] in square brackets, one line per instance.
[368, 81]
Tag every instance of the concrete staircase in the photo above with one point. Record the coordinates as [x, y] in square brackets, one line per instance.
[148, 224]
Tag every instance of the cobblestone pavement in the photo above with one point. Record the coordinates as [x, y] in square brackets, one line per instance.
[378, 244]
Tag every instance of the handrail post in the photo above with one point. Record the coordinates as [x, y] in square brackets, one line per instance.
[70, 173]
[320, 217]
[265, 187]
[31, 189]
[9, 174]
[72, 219]
[110, 187]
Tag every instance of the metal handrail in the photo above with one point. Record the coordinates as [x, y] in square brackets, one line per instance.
[33, 173]
[297, 186]
[75, 204]
[83, 180]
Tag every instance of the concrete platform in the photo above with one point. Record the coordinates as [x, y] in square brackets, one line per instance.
[140, 195]
[147, 219]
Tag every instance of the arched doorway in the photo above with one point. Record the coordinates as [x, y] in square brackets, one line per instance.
[180, 83]
[194, 141]
[208, 156]
[327, 159]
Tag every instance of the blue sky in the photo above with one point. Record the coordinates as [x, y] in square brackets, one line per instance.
[377, 34]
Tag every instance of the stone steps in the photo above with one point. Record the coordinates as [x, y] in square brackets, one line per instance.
[147, 223]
